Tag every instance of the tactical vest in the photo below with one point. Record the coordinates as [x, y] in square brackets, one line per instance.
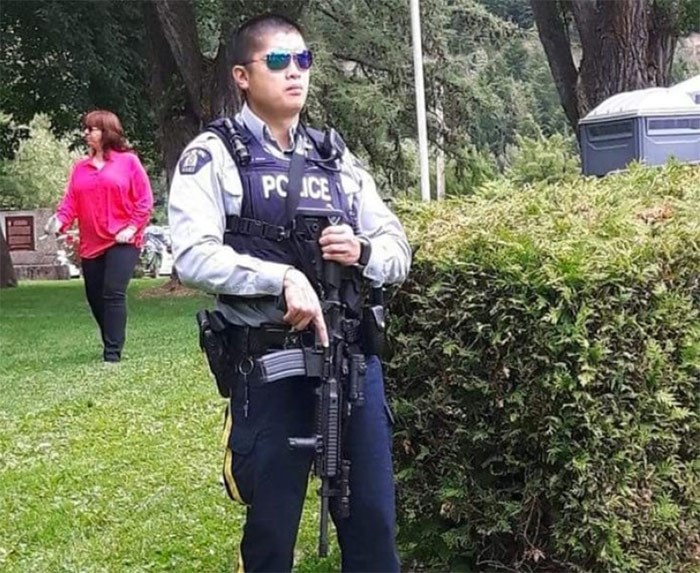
[263, 229]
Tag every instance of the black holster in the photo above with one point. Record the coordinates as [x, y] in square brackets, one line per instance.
[214, 343]
[374, 323]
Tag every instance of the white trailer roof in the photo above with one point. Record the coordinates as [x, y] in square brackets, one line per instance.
[647, 102]
[691, 86]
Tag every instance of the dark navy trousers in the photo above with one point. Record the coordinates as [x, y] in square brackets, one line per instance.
[106, 280]
[262, 471]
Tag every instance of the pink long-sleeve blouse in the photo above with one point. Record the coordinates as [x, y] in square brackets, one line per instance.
[106, 200]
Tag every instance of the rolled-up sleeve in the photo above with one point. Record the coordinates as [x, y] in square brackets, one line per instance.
[197, 220]
[67, 209]
[390, 258]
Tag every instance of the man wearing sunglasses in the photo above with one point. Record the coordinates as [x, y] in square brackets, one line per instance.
[232, 204]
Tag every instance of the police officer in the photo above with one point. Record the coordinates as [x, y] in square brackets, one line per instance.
[229, 208]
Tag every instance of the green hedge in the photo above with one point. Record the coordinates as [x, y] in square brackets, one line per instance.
[545, 377]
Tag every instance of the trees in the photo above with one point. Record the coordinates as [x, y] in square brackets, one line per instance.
[190, 80]
[64, 58]
[476, 71]
[483, 73]
[624, 46]
[37, 175]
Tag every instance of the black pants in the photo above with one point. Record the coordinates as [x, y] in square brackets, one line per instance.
[106, 278]
[262, 471]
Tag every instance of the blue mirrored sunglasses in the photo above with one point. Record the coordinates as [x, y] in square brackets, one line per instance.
[280, 60]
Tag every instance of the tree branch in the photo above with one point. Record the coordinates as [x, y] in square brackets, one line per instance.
[179, 26]
[664, 27]
[331, 16]
[584, 12]
[225, 99]
[364, 63]
[177, 122]
[552, 33]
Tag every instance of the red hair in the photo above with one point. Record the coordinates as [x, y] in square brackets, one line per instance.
[112, 131]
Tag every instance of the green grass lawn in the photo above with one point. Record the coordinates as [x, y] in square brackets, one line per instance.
[114, 469]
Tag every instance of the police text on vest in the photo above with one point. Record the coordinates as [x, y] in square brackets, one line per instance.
[312, 187]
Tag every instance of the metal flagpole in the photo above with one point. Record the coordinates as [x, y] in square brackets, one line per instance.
[420, 101]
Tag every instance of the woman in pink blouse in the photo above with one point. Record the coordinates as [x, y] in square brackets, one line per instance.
[110, 195]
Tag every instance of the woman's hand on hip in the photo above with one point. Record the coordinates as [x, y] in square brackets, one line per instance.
[126, 235]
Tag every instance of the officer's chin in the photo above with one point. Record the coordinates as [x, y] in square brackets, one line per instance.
[294, 105]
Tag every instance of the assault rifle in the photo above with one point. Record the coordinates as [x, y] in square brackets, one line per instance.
[338, 369]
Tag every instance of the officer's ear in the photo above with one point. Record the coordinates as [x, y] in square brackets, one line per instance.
[241, 77]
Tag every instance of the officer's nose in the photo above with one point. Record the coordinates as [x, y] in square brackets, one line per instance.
[293, 70]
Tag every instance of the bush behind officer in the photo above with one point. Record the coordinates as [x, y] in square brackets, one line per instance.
[228, 210]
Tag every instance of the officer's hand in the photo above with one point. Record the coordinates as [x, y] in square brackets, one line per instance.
[125, 235]
[53, 225]
[303, 306]
[339, 244]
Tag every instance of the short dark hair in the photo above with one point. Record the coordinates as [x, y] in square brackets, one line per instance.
[249, 35]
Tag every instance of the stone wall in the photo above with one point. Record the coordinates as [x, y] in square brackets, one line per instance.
[33, 254]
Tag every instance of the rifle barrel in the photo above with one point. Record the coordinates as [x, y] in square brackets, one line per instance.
[323, 528]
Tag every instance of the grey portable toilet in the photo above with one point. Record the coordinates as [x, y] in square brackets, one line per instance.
[649, 125]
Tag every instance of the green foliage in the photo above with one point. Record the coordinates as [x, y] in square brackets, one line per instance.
[516, 11]
[543, 159]
[489, 77]
[685, 64]
[37, 175]
[546, 377]
[209, 27]
[688, 15]
[65, 58]
[115, 470]
[10, 135]
[467, 171]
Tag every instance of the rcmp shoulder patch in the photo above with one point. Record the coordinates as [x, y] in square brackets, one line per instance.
[193, 160]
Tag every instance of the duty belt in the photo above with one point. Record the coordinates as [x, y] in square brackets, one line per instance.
[250, 341]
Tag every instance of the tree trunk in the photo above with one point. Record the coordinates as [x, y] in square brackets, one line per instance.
[664, 23]
[626, 45]
[7, 269]
[614, 39]
[440, 151]
[187, 89]
[178, 26]
[551, 28]
[173, 281]
[224, 98]
[177, 119]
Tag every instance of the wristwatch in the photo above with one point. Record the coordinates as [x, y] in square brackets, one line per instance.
[365, 251]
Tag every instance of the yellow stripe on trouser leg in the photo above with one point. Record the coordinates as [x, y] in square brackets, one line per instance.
[240, 569]
[229, 481]
[227, 425]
